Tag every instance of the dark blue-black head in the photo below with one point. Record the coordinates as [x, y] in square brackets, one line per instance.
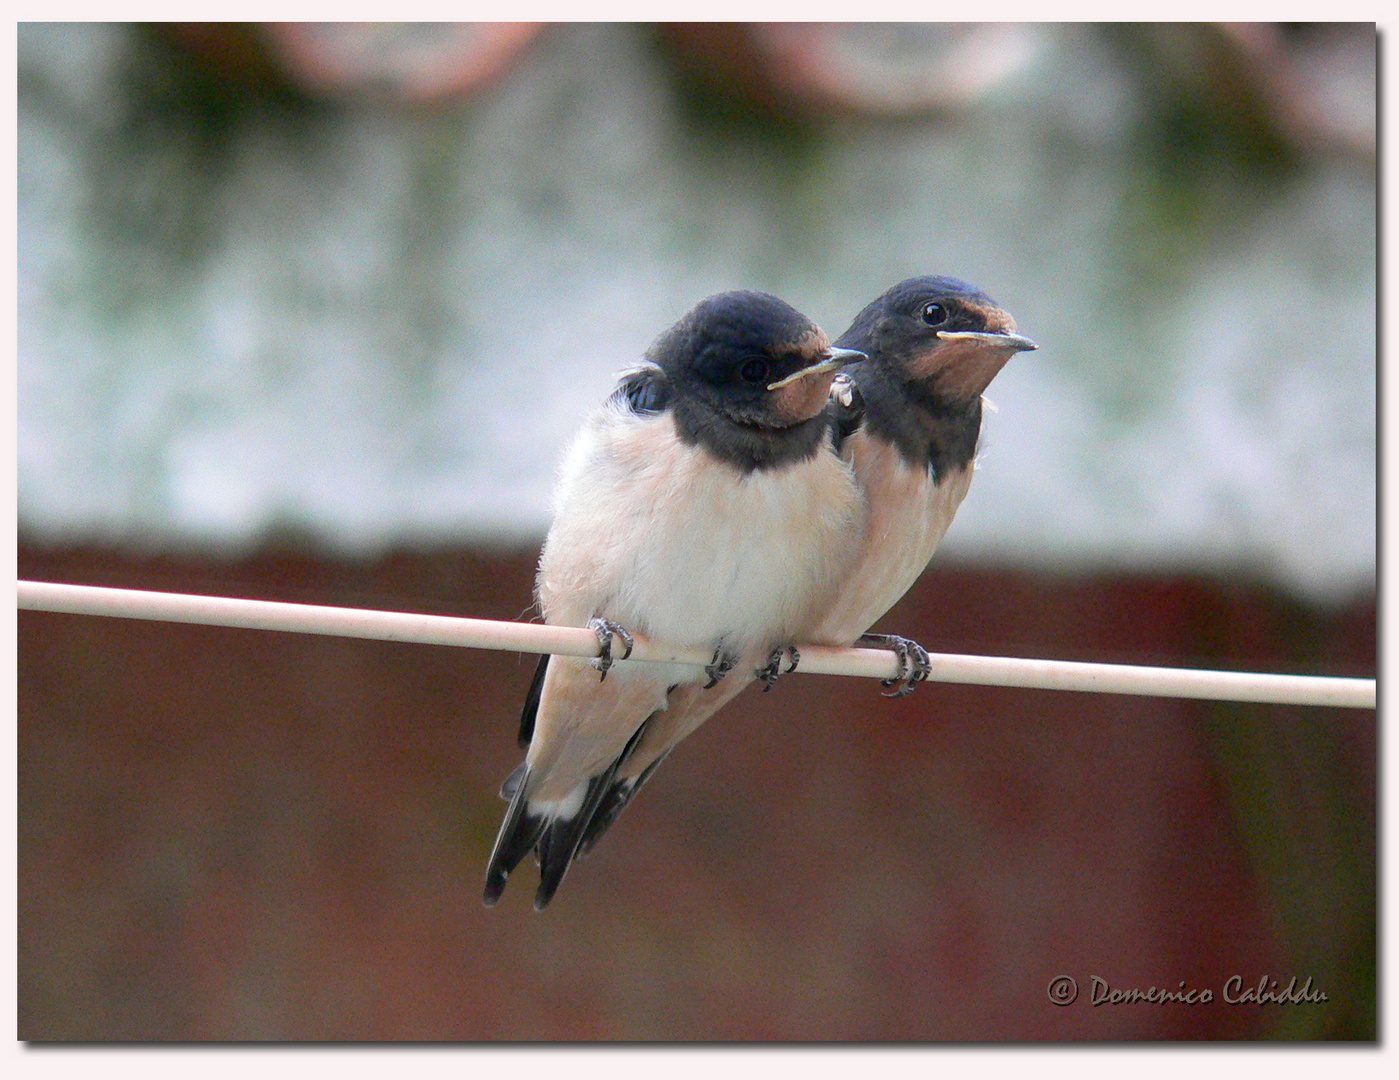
[943, 336]
[747, 376]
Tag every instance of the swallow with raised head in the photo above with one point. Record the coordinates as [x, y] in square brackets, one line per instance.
[703, 506]
[907, 418]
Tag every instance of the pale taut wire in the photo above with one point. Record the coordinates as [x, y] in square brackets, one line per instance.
[575, 641]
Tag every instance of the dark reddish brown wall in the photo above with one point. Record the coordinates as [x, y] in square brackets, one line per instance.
[230, 834]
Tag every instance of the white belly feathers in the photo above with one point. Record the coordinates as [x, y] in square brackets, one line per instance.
[669, 542]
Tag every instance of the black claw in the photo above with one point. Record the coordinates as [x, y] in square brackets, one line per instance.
[606, 630]
[914, 665]
[720, 666]
[773, 668]
[769, 671]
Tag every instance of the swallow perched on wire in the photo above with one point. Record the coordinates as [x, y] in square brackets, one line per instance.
[702, 505]
[907, 418]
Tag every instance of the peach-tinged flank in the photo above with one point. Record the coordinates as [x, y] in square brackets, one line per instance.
[906, 515]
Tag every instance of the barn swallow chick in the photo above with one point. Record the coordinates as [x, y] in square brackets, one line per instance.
[702, 506]
[908, 419]
[907, 416]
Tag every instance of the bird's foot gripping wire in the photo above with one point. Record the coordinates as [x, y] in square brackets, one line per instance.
[720, 666]
[606, 630]
[772, 669]
[914, 665]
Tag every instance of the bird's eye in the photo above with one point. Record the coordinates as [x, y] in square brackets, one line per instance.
[754, 370]
[934, 314]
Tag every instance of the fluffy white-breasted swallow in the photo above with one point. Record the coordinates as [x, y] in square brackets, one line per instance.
[702, 506]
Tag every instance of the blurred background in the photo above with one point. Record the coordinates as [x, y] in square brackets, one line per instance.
[308, 313]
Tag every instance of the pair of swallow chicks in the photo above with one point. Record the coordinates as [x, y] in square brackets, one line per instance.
[747, 487]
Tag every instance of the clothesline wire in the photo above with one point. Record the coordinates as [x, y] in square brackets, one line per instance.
[577, 641]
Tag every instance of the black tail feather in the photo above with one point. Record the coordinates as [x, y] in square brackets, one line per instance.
[561, 840]
[559, 843]
[612, 804]
[519, 832]
[511, 784]
[555, 840]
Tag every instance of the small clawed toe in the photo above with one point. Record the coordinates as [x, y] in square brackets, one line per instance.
[914, 665]
[720, 666]
[770, 671]
[606, 630]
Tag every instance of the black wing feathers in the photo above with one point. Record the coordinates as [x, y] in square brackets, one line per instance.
[643, 391]
[612, 804]
[559, 843]
[554, 840]
[531, 709]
